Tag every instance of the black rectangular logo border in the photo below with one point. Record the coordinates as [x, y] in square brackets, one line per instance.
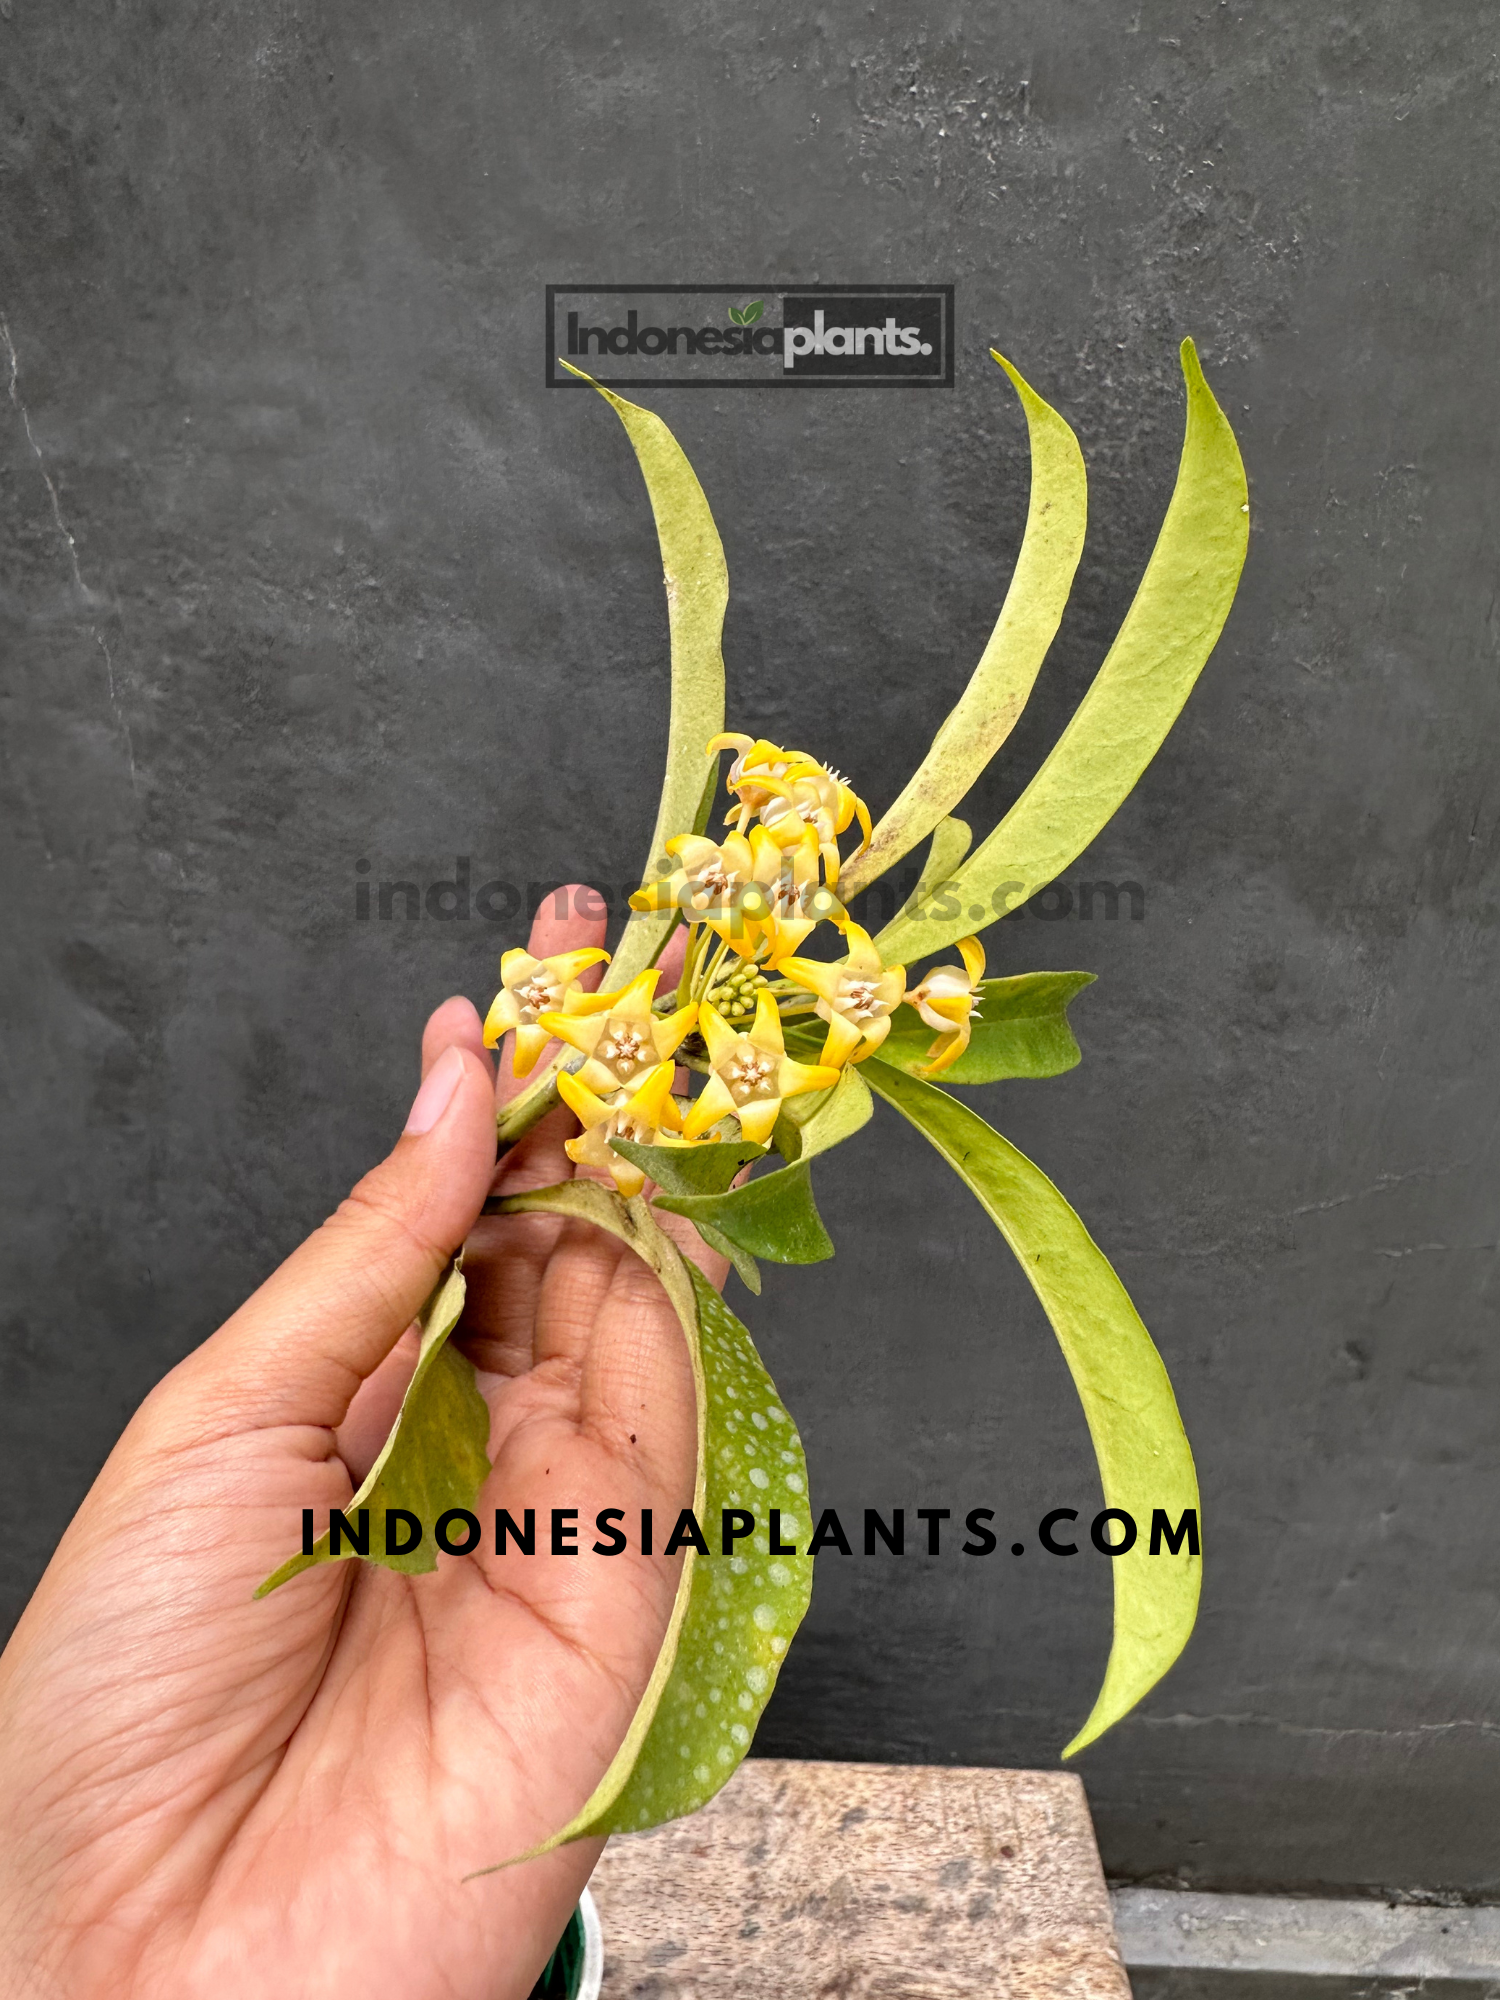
[943, 381]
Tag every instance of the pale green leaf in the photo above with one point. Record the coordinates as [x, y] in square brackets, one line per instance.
[773, 1217]
[733, 1617]
[951, 841]
[810, 1124]
[1019, 1028]
[1121, 723]
[1143, 1455]
[697, 592]
[435, 1457]
[989, 706]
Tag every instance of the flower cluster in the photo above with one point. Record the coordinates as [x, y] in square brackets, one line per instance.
[749, 901]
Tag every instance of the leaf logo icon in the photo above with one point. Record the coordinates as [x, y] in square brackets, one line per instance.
[747, 315]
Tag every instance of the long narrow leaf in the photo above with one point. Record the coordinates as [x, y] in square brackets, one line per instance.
[989, 706]
[697, 583]
[1143, 1454]
[1121, 723]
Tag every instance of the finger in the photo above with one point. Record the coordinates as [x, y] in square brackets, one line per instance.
[297, 1352]
[571, 918]
[506, 1255]
[456, 1024]
[671, 960]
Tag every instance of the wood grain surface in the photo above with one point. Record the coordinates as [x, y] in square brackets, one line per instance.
[812, 1881]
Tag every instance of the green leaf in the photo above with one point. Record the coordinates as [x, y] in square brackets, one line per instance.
[735, 316]
[1121, 723]
[734, 1616]
[1144, 1459]
[1019, 1028]
[705, 1169]
[436, 1456]
[773, 1217]
[744, 1608]
[752, 312]
[818, 1119]
[743, 1262]
[990, 705]
[951, 841]
[697, 592]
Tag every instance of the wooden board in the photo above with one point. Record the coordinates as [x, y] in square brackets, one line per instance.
[805, 1881]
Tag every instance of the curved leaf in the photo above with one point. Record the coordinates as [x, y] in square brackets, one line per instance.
[734, 1616]
[436, 1455]
[1019, 1028]
[1144, 1459]
[697, 583]
[1121, 723]
[773, 1217]
[951, 841]
[988, 708]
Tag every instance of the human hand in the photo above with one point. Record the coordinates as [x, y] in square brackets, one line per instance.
[204, 1794]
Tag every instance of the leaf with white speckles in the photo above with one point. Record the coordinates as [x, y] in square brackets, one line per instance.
[744, 1608]
[735, 1615]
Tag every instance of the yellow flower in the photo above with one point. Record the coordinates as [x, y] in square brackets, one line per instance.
[856, 997]
[618, 1032]
[531, 987]
[791, 790]
[644, 1117]
[785, 900]
[758, 768]
[945, 1000]
[704, 885]
[750, 1074]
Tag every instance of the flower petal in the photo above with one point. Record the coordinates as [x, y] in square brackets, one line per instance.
[712, 1103]
[843, 1039]
[530, 1042]
[505, 1012]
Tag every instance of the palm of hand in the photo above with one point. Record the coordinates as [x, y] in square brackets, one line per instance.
[286, 1795]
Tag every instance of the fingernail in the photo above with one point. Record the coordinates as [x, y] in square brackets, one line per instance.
[438, 1086]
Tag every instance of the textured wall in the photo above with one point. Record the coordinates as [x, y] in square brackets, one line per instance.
[302, 565]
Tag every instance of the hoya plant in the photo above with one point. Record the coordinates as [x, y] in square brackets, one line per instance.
[786, 1047]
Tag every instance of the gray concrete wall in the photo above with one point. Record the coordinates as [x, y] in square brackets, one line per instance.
[302, 564]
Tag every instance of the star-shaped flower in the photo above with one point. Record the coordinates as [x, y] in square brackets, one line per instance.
[531, 987]
[856, 996]
[649, 1117]
[750, 1074]
[619, 1034]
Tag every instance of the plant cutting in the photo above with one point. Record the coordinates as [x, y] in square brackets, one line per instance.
[788, 1018]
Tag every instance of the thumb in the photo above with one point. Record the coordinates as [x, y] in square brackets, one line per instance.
[296, 1352]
